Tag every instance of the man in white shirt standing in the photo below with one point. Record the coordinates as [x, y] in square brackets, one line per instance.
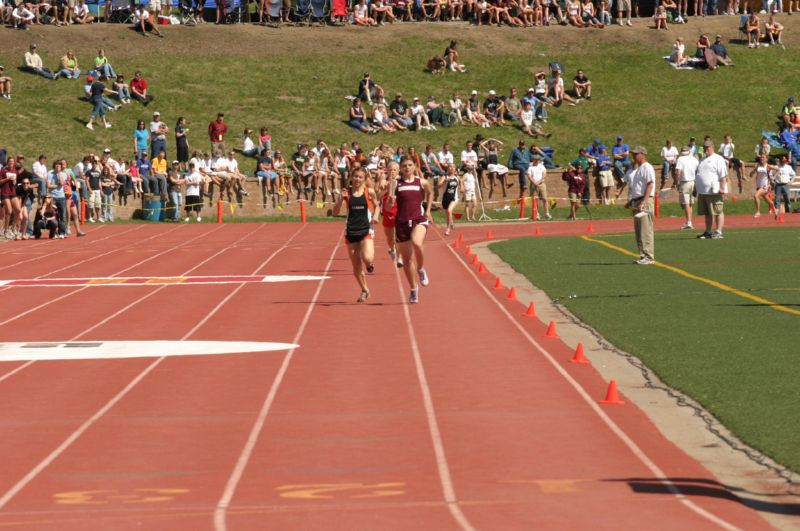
[783, 178]
[535, 175]
[669, 155]
[643, 184]
[712, 185]
[445, 156]
[40, 171]
[685, 170]
[469, 158]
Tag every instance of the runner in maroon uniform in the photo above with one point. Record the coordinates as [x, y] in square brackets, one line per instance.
[412, 223]
[361, 205]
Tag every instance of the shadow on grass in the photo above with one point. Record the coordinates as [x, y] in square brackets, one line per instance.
[711, 489]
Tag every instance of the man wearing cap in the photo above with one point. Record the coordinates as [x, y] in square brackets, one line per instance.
[435, 113]
[216, 132]
[520, 160]
[400, 111]
[493, 108]
[684, 176]
[621, 154]
[712, 184]
[33, 63]
[366, 88]
[5, 83]
[158, 135]
[643, 184]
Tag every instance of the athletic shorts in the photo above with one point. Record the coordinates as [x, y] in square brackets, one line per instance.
[403, 229]
[447, 201]
[193, 202]
[469, 196]
[356, 238]
[388, 220]
[9, 197]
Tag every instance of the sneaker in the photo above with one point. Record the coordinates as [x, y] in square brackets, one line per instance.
[363, 297]
[399, 263]
[644, 261]
[370, 268]
[199, 219]
[108, 126]
[186, 220]
[687, 226]
[704, 236]
[393, 254]
[91, 220]
[423, 277]
[716, 235]
[90, 126]
[629, 23]
[548, 217]
[414, 297]
[81, 233]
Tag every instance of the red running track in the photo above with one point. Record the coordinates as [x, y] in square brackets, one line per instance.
[452, 414]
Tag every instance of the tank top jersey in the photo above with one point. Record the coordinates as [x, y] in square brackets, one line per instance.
[491, 157]
[451, 188]
[389, 214]
[359, 215]
[762, 176]
[409, 201]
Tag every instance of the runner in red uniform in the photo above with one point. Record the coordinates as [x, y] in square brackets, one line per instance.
[412, 223]
[361, 205]
[389, 215]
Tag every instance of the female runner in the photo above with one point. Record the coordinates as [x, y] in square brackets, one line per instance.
[361, 201]
[451, 184]
[412, 223]
[389, 215]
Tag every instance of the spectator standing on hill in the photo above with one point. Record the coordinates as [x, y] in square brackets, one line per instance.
[139, 89]
[669, 156]
[158, 135]
[620, 152]
[643, 183]
[141, 139]
[96, 92]
[684, 177]
[605, 175]
[216, 132]
[39, 177]
[33, 63]
[182, 143]
[624, 6]
[712, 185]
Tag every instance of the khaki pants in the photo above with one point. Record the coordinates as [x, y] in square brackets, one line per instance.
[643, 225]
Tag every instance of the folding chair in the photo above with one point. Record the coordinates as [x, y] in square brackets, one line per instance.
[319, 10]
[274, 13]
[339, 12]
[302, 12]
[233, 12]
[121, 11]
[187, 12]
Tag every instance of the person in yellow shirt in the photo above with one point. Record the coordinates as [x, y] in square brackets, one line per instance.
[160, 172]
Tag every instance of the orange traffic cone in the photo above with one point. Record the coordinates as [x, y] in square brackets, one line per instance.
[512, 295]
[498, 284]
[489, 235]
[456, 244]
[733, 198]
[612, 396]
[579, 357]
[551, 331]
[475, 260]
[481, 269]
[460, 238]
[538, 232]
[780, 218]
[531, 311]
[590, 228]
[469, 250]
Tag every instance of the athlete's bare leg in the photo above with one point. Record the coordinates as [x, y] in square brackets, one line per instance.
[354, 252]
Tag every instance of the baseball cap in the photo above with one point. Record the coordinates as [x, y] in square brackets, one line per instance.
[492, 93]
[597, 141]
[89, 78]
[708, 143]
[718, 36]
[531, 89]
[416, 98]
[685, 150]
[692, 139]
[639, 149]
[791, 98]
[175, 162]
[107, 150]
[620, 137]
[474, 93]
[398, 95]
[156, 113]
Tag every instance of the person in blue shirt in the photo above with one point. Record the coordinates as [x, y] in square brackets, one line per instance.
[149, 181]
[788, 139]
[593, 151]
[520, 160]
[141, 139]
[605, 175]
[620, 153]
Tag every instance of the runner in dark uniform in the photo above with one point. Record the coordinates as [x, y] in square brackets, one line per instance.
[450, 196]
[412, 223]
[361, 205]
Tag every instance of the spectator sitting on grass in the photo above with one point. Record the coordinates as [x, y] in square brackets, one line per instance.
[80, 13]
[122, 89]
[361, 14]
[69, 66]
[249, 148]
[721, 52]
[421, 120]
[381, 120]
[102, 67]
[788, 108]
[451, 58]
[556, 90]
[474, 113]
[774, 30]
[366, 88]
[582, 86]
[529, 125]
[264, 139]
[493, 109]
[456, 115]
[435, 113]
[589, 15]
[142, 21]
[538, 103]
[381, 12]
[139, 89]
[358, 120]
[400, 111]
[678, 56]
[752, 28]
[5, 83]
[512, 106]
[33, 63]
[661, 18]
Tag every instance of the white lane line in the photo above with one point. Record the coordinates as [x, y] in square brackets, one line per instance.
[619, 432]
[446, 480]
[51, 301]
[220, 513]
[44, 463]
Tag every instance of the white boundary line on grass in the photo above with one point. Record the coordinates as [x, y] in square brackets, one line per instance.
[221, 509]
[75, 435]
[448, 490]
[632, 446]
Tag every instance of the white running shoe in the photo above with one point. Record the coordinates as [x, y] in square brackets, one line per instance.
[423, 277]
[414, 297]
[90, 126]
